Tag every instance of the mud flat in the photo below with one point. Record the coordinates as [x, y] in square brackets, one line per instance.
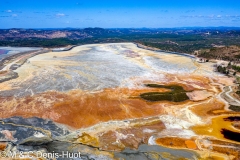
[15, 50]
[113, 101]
[15, 60]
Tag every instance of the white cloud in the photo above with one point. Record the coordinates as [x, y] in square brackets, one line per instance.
[14, 15]
[60, 15]
[9, 11]
[219, 16]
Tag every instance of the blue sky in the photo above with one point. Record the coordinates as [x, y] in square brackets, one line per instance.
[118, 14]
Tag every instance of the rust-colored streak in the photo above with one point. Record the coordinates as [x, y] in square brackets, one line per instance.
[80, 109]
[130, 137]
[207, 109]
[191, 144]
[214, 129]
[177, 142]
[3, 146]
[171, 142]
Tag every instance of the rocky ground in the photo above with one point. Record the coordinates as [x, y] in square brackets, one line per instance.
[88, 100]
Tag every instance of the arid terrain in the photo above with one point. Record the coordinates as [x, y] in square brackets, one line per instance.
[228, 53]
[118, 101]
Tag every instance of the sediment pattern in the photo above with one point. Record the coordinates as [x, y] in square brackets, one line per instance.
[111, 101]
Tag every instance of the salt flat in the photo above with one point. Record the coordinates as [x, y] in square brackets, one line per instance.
[94, 67]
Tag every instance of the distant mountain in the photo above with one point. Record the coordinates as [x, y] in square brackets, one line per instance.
[184, 39]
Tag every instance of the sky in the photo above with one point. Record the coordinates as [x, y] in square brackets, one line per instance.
[118, 13]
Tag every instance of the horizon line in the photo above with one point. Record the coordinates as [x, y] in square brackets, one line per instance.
[123, 27]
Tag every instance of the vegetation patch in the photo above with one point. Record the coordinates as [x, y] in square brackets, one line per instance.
[236, 68]
[228, 53]
[237, 92]
[222, 70]
[235, 108]
[177, 94]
